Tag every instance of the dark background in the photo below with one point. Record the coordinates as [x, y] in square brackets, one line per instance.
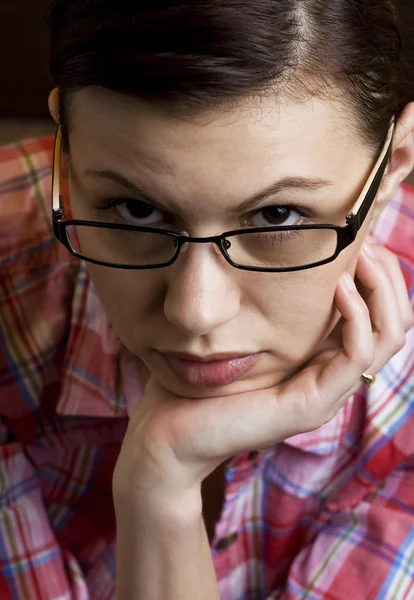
[24, 55]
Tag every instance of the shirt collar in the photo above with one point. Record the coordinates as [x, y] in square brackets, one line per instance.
[100, 376]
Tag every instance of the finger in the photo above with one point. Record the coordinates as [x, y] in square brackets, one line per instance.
[383, 306]
[339, 375]
[315, 395]
[393, 269]
[387, 298]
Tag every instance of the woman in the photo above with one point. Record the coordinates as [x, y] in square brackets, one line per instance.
[232, 358]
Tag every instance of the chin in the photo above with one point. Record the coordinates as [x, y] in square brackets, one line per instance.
[185, 390]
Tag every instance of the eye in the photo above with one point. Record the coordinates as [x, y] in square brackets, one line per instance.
[137, 212]
[271, 216]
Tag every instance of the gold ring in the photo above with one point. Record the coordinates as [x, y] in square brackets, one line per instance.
[368, 379]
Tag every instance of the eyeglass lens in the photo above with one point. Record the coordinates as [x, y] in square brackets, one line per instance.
[270, 249]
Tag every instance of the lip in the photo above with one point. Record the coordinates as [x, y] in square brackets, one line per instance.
[215, 370]
[209, 357]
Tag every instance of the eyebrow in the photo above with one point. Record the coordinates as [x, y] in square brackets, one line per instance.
[293, 182]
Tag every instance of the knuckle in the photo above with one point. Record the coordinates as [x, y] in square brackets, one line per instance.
[399, 341]
[363, 309]
[388, 261]
[364, 358]
[392, 260]
[409, 321]
[328, 416]
[385, 254]
[307, 419]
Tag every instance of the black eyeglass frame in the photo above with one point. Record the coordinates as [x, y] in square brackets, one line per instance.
[346, 234]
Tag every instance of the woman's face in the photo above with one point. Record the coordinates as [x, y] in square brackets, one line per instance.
[199, 171]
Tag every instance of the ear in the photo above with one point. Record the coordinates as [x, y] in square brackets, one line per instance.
[53, 103]
[402, 158]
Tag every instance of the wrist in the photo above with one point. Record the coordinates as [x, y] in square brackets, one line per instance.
[157, 507]
[162, 551]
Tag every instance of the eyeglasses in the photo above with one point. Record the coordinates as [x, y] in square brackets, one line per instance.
[269, 249]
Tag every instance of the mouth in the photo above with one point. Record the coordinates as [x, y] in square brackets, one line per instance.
[215, 370]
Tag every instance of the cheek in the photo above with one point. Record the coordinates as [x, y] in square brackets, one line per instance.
[128, 297]
[304, 300]
[299, 307]
[296, 296]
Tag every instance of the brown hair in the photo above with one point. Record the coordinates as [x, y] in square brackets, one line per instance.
[194, 55]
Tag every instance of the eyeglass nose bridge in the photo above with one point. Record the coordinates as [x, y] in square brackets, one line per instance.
[185, 245]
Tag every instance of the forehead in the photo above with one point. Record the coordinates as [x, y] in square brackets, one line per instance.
[249, 145]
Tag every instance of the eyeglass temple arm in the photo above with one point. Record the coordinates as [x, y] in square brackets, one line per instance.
[57, 157]
[367, 196]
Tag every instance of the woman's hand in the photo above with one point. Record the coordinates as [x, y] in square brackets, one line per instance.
[173, 443]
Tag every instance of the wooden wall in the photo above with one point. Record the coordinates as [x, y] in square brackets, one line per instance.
[24, 47]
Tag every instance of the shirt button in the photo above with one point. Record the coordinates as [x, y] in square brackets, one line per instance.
[227, 541]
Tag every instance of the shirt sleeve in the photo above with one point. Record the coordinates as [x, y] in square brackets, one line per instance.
[364, 553]
[33, 565]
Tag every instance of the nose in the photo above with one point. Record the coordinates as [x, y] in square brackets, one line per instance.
[202, 291]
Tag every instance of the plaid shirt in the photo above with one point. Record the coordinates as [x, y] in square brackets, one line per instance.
[325, 515]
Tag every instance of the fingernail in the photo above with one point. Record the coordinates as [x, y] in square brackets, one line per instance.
[349, 282]
[369, 249]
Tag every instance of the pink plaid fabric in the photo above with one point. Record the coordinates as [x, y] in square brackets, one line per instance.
[325, 515]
